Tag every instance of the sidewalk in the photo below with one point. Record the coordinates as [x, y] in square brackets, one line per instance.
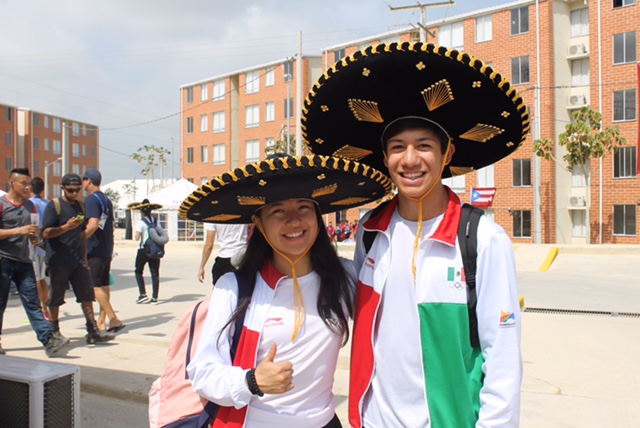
[580, 370]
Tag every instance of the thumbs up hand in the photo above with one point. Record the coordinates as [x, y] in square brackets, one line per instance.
[272, 377]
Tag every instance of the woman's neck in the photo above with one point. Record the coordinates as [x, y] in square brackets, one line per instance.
[303, 266]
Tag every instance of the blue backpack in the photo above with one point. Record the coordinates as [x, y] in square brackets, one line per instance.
[151, 248]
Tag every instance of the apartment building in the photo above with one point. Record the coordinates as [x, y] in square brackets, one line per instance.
[48, 145]
[560, 56]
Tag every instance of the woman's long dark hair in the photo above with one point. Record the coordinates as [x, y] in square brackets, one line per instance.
[335, 285]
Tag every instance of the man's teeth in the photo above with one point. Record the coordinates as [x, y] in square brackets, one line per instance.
[293, 235]
[412, 174]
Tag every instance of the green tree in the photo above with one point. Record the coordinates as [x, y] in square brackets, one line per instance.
[130, 190]
[113, 195]
[280, 146]
[151, 158]
[583, 139]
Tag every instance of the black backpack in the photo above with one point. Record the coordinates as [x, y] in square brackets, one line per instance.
[468, 239]
[151, 248]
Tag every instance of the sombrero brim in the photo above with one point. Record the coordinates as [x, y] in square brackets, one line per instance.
[334, 184]
[347, 110]
[145, 206]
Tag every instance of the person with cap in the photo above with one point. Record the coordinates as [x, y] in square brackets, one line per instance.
[424, 112]
[37, 253]
[100, 242]
[63, 228]
[143, 225]
[300, 291]
[17, 229]
[232, 239]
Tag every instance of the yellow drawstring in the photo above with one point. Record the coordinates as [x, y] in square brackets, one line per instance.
[298, 300]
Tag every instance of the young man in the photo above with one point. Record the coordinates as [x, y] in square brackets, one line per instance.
[100, 246]
[66, 255]
[37, 187]
[16, 230]
[425, 113]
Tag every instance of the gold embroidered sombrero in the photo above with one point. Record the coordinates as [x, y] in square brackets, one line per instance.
[333, 183]
[347, 110]
[144, 205]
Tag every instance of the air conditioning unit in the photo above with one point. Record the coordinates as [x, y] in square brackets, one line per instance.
[38, 394]
[577, 49]
[577, 202]
[577, 100]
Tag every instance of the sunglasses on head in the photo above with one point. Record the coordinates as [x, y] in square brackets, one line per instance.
[74, 190]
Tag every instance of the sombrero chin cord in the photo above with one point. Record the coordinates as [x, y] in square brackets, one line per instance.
[298, 300]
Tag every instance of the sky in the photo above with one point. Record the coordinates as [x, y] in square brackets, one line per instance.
[118, 64]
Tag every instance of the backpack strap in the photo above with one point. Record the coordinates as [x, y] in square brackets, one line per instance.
[468, 241]
[244, 292]
[369, 236]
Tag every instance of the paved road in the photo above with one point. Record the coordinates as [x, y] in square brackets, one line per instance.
[580, 370]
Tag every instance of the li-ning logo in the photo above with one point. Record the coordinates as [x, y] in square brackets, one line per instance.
[507, 319]
[272, 322]
[370, 263]
[456, 278]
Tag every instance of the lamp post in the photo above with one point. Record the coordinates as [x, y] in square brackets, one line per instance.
[46, 176]
[288, 77]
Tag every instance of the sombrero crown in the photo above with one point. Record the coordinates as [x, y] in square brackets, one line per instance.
[333, 183]
[347, 110]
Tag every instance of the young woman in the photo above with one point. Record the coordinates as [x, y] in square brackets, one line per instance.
[142, 233]
[301, 293]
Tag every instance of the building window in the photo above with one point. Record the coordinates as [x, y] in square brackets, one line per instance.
[270, 142]
[189, 154]
[520, 70]
[288, 108]
[93, 151]
[36, 119]
[47, 146]
[580, 22]
[190, 125]
[580, 72]
[624, 47]
[270, 112]
[578, 223]
[36, 143]
[75, 168]
[253, 151]
[624, 105]
[484, 29]
[8, 164]
[219, 90]
[76, 129]
[84, 150]
[270, 76]
[520, 20]
[521, 172]
[76, 150]
[204, 92]
[9, 114]
[36, 166]
[84, 130]
[57, 125]
[252, 118]
[204, 154]
[46, 121]
[288, 71]
[57, 169]
[8, 138]
[219, 119]
[452, 35]
[521, 224]
[338, 55]
[204, 123]
[457, 183]
[57, 147]
[219, 157]
[624, 220]
[625, 163]
[623, 3]
[252, 84]
[189, 95]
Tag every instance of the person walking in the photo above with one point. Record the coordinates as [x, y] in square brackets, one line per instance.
[232, 239]
[100, 242]
[37, 252]
[63, 227]
[142, 234]
[16, 231]
[301, 292]
[422, 113]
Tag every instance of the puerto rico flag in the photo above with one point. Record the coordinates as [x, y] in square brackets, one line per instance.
[482, 197]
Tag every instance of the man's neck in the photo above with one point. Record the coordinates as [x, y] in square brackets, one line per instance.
[93, 189]
[433, 205]
[15, 197]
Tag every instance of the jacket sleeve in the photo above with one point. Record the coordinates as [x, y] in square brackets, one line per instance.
[359, 252]
[499, 327]
[211, 371]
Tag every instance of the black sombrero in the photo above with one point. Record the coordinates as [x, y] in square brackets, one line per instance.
[144, 205]
[333, 183]
[347, 110]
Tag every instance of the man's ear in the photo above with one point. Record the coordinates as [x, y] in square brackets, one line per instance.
[386, 161]
[450, 152]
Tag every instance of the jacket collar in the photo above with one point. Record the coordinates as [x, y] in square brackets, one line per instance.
[271, 275]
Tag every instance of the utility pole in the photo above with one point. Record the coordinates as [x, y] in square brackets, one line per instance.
[423, 15]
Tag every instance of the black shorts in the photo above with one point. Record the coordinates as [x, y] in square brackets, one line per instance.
[79, 277]
[100, 269]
